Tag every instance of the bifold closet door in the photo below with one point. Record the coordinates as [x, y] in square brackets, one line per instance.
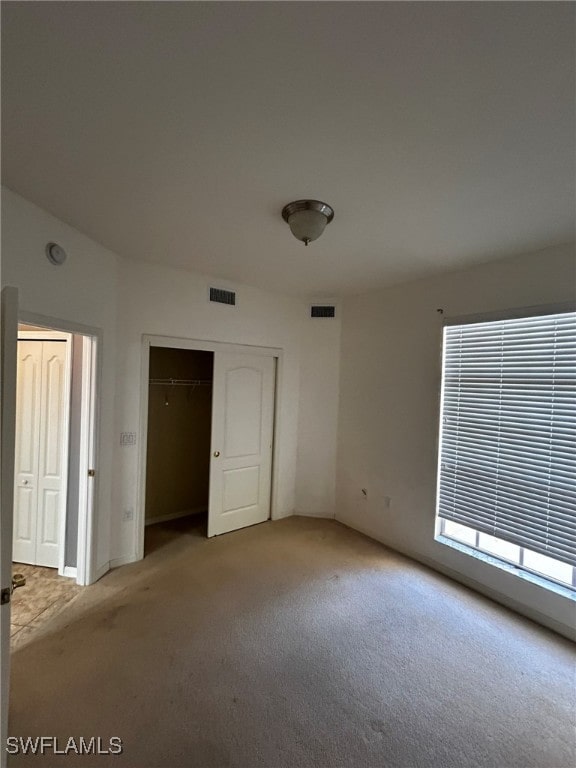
[242, 431]
[40, 474]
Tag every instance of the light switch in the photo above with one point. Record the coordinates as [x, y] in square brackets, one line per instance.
[127, 438]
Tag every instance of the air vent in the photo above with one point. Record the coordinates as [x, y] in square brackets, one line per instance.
[322, 311]
[221, 296]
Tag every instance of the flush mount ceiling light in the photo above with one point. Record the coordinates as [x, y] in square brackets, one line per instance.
[307, 219]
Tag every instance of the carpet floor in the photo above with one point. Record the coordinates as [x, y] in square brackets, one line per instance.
[294, 644]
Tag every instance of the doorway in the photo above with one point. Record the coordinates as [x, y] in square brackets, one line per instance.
[53, 474]
[55, 449]
[208, 464]
[41, 467]
[178, 444]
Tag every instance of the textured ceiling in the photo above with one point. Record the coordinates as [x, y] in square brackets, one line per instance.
[441, 133]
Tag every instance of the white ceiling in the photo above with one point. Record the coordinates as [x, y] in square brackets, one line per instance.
[441, 133]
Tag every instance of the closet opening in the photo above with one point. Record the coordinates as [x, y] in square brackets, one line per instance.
[178, 445]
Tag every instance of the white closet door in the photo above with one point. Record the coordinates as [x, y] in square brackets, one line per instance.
[41, 418]
[28, 400]
[242, 426]
[51, 472]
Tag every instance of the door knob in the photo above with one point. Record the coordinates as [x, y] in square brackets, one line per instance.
[216, 453]
[24, 482]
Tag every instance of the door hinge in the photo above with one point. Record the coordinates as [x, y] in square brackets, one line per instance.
[5, 595]
[91, 472]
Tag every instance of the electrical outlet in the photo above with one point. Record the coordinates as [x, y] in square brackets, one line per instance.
[128, 514]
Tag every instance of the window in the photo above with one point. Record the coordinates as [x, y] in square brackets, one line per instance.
[507, 459]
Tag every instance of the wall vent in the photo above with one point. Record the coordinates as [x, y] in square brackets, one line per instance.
[322, 311]
[221, 296]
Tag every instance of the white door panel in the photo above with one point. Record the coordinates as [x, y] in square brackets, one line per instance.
[241, 488]
[28, 402]
[242, 427]
[25, 523]
[51, 477]
[41, 415]
[50, 509]
[242, 412]
[28, 408]
[54, 360]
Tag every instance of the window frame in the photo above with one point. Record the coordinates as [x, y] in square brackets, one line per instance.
[443, 537]
[518, 569]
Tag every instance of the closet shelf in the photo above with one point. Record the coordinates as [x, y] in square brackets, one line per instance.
[181, 382]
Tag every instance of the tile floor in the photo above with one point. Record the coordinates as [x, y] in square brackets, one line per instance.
[42, 597]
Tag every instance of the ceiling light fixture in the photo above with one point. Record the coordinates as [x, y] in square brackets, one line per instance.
[307, 219]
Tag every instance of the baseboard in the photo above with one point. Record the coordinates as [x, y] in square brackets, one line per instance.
[319, 515]
[477, 586]
[99, 572]
[70, 572]
[175, 516]
[119, 561]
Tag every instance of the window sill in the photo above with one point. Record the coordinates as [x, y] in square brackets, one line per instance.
[533, 578]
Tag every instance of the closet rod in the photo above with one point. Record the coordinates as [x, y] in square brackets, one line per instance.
[181, 382]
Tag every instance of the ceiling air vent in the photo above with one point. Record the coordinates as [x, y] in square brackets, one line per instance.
[221, 296]
[322, 311]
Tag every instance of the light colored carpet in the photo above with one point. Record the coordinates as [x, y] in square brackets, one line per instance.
[294, 644]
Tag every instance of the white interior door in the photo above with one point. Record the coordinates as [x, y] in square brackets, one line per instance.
[28, 401]
[41, 455]
[242, 431]
[87, 462]
[8, 342]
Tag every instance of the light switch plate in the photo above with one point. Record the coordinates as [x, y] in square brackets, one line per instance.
[127, 438]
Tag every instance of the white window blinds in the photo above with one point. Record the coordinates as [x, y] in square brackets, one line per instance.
[508, 431]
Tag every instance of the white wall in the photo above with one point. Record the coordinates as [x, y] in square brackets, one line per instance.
[389, 400]
[83, 291]
[127, 299]
[318, 415]
[171, 302]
